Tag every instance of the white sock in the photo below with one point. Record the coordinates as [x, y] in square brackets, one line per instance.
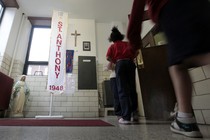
[184, 115]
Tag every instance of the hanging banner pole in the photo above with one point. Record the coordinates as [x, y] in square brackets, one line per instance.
[51, 101]
[57, 58]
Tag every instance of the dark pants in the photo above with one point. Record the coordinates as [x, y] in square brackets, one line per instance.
[117, 107]
[125, 78]
[186, 24]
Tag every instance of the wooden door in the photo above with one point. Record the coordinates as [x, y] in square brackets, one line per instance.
[157, 91]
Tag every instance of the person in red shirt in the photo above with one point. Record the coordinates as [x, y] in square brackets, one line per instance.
[186, 24]
[121, 54]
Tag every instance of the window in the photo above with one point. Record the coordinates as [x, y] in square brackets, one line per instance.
[40, 44]
[1, 10]
[38, 53]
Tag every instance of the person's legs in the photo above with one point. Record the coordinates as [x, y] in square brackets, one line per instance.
[182, 81]
[188, 46]
[185, 122]
[183, 87]
[133, 94]
[121, 79]
[117, 107]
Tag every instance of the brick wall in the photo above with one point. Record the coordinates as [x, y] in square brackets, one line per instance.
[201, 94]
[5, 62]
[71, 104]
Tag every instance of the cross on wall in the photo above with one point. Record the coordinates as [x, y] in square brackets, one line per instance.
[75, 34]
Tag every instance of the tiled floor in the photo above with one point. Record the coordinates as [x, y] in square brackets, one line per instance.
[142, 131]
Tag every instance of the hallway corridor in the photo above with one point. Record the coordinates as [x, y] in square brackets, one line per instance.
[144, 131]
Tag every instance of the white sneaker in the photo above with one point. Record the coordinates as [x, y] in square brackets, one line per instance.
[189, 129]
[122, 121]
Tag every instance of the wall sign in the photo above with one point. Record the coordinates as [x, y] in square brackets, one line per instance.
[86, 46]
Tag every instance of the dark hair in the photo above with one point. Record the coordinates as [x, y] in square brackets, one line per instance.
[116, 35]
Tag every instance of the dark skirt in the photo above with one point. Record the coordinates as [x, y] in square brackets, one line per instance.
[186, 24]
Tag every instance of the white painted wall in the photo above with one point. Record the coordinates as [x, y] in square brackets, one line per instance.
[103, 31]
[86, 28]
[23, 41]
[146, 27]
[11, 44]
[102, 35]
[13, 39]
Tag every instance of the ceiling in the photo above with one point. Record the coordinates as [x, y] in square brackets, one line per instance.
[100, 10]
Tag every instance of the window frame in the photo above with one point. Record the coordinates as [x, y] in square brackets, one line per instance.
[4, 7]
[27, 62]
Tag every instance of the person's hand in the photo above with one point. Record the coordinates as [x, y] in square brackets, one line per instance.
[135, 43]
[111, 66]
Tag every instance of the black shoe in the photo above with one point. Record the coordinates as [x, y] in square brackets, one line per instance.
[135, 117]
[187, 129]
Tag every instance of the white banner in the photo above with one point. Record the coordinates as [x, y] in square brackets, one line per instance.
[57, 59]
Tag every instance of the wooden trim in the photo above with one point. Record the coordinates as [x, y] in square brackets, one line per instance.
[40, 21]
[155, 30]
[10, 3]
[149, 37]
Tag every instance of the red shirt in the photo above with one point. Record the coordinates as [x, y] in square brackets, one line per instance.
[136, 16]
[120, 50]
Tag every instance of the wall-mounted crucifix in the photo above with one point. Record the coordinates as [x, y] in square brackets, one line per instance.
[75, 34]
